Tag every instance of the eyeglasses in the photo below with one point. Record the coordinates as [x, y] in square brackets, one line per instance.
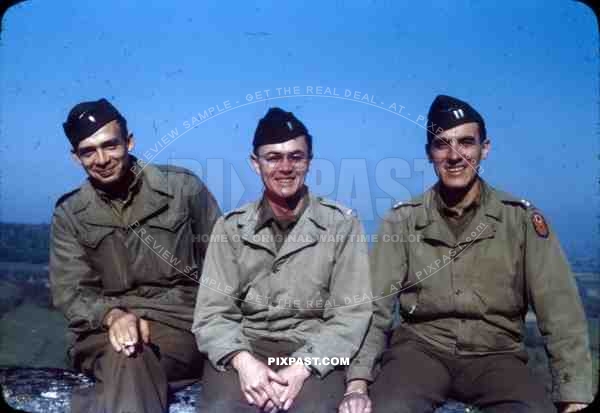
[274, 159]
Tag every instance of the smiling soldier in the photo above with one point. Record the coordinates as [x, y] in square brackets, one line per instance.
[483, 259]
[275, 251]
[129, 310]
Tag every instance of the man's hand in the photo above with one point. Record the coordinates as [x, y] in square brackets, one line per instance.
[356, 399]
[125, 331]
[295, 375]
[569, 407]
[255, 380]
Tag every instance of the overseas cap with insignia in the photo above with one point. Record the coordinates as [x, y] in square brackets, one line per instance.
[447, 112]
[279, 126]
[87, 117]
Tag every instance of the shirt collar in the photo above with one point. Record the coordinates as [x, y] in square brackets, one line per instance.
[266, 214]
[447, 211]
[132, 189]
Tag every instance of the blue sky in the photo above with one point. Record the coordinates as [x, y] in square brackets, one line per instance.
[531, 69]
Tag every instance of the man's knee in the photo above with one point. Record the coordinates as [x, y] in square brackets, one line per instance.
[143, 363]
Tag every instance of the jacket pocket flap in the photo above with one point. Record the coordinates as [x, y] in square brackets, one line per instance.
[92, 237]
[170, 220]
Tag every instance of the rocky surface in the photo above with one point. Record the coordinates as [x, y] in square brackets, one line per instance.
[49, 390]
[33, 345]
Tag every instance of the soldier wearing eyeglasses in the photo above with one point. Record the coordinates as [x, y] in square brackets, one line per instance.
[284, 283]
[120, 246]
[483, 259]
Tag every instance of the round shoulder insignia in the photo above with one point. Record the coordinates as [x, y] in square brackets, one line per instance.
[539, 225]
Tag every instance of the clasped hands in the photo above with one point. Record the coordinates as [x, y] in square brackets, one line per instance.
[268, 390]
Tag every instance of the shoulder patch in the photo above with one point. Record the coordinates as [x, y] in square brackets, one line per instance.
[64, 197]
[539, 225]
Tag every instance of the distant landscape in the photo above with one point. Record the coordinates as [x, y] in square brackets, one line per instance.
[26, 243]
[32, 332]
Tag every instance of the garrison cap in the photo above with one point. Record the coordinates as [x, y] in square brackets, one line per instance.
[447, 112]
[87, 117]
[279, 126]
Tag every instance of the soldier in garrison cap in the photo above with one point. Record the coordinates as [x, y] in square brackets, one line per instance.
[124, 248]
[283, 284]
[483, 259]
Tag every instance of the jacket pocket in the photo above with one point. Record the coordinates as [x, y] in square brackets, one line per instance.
[92, 237]
[409, 302]
[170, 251]
[169, 220]
[498, 294]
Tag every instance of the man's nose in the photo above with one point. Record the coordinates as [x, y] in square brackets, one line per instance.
[102, 157]
[286, 164]
[455, 151]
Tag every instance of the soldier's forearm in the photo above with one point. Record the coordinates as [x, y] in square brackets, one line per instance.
[357, 386]
[238, 360]
[112, 315]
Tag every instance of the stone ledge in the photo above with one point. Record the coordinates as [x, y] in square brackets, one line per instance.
[48, 390]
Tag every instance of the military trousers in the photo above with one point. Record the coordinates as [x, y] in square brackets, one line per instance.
[140, 383]
[221, 392]
[415, 376]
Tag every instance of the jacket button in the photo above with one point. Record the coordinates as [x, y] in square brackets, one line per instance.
[276, 267]
[458, 292]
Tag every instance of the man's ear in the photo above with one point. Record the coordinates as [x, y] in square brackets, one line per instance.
[255, 164]
[486, 147]
[76, 157]
[130, 142]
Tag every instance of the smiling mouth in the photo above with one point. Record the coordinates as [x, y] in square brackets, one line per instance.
[455, 170]
[106, 172]
[285, 181]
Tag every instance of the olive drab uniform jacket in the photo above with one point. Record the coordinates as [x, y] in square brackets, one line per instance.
[314, 291]
[147, 264]
[470, 295]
